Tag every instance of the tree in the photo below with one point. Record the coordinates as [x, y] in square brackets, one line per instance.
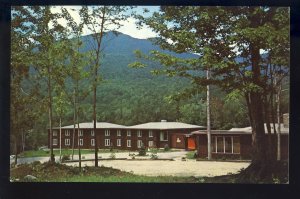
[100, 19]
[230, 42]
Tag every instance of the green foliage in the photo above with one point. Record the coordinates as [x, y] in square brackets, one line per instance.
[142, 150]
[166, 147]
[153, 154]
[65, 157]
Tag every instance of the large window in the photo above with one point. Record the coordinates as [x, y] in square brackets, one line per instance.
[225, 144]
[107, 142]
[150, 133]
[54, 142]
[107, 132]
[128, 143]
[118, 142]
[92, 142]
[139, 132]
[67, 132]
[80, 132]
[118, 132]
[163, 136]
[139, 143]
[54, 133]
[128, 133]
[67, 142]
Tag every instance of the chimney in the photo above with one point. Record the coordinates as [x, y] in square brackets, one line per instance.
[286, 121]
[163, 121]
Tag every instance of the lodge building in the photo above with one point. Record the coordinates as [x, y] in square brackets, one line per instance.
[235, 143]
[152, 134]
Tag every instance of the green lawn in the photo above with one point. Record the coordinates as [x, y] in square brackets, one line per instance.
[41, 153]
[55, 172]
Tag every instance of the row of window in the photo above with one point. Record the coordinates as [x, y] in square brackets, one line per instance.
[225, 144]
[107, 133]
[106, 142]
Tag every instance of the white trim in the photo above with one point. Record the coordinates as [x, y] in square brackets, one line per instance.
[128, 133]
[67, 132]
[119, 133]
[139, 143]
[224, 145]
[152, 143]
[54, 142]
[118, 142]
[128, 143]
[80, 132]
[92, 142]
[162, 133]
[107, 132]
[107, 142]
[67, 142]
[139, 133]
[92, 132]
[150, 133]
[54, 133]
[81, 142]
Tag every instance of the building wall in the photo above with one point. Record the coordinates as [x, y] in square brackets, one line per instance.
[245, 147]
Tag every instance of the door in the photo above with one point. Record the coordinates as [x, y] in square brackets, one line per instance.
[178, 141]
[191, 144]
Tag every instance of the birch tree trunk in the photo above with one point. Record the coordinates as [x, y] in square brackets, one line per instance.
[208, 120]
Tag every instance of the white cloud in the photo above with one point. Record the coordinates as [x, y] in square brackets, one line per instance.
[128, 26]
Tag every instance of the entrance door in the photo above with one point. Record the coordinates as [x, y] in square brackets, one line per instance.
[178, 141]
[191, 143]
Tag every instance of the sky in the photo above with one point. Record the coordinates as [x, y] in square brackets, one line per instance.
[128, 27]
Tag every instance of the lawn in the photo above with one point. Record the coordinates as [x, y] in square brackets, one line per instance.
[55, 172]
[45, 153]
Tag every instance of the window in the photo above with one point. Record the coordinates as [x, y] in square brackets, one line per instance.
[118, 142]
[107, 133]
[92, 142]
[139, 143]
[54, 142]
[236, 144]
[54, 133]
[107, 142]
[81, 142]
[67, 133]
[225, 144]
[228, 144]
[163, 136]
[139, 133]
[118, 132]
[150, 144]
[67, 142]
[92, 133]
[128, 143]
[150, 133]
[128, 133]
[220, 145]
[80, 132]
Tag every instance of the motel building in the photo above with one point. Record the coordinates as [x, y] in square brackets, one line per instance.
[235, 143]
[108, 135]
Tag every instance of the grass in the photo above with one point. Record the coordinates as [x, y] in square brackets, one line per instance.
[190, 155]
[55, 172]
[42, 153]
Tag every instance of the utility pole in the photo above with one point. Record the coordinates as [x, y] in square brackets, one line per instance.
[208, 119]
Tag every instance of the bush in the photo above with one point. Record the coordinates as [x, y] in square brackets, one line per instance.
[154, 155]
[65, 157]
[142, 151]
[166, 147]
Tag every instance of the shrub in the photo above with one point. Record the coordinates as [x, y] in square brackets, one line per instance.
[65, 157]
[166, 147]
[154, 155]
[142, 151]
